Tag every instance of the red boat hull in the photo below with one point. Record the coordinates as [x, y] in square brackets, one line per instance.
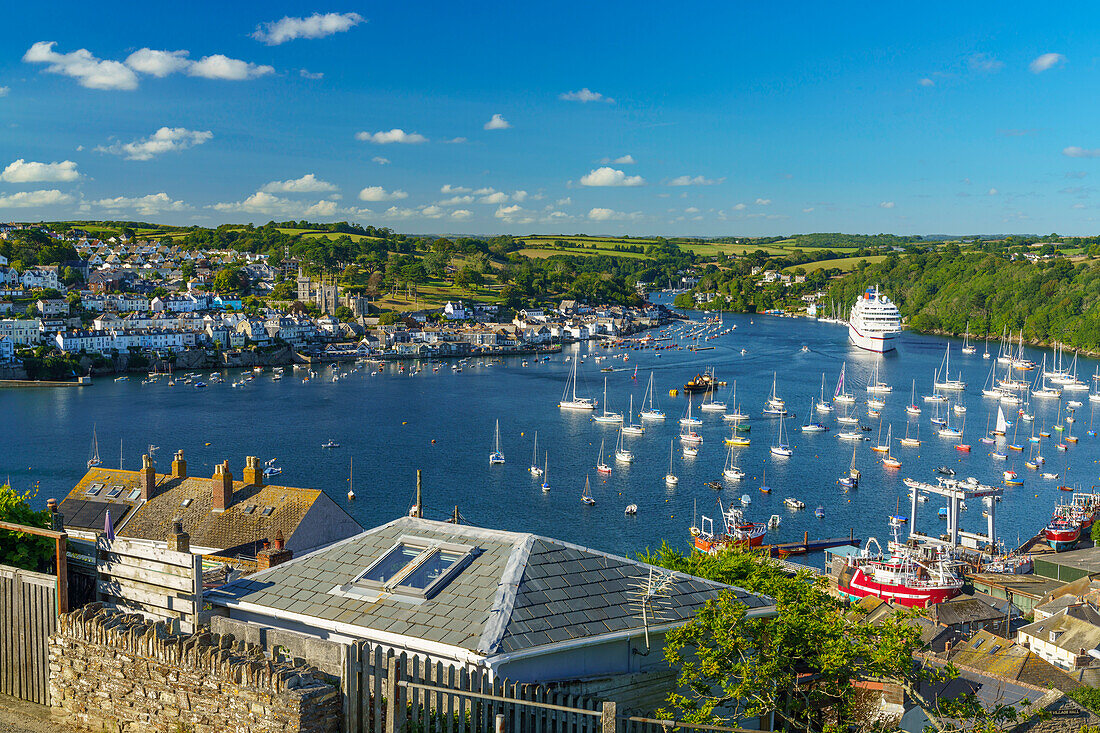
[860, 586]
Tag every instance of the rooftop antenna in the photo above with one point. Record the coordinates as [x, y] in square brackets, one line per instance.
[648, 594]
[418, 508]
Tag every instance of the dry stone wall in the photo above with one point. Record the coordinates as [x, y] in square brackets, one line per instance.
[121, 672]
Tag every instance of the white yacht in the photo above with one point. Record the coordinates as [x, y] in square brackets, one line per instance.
[874, 322]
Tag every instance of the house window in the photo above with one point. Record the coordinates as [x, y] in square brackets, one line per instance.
[94, 490]
[414, 569]
[114, 492]
[995, 649]
[134, 494]
[248, 509]
[186, 503]
[980, 642]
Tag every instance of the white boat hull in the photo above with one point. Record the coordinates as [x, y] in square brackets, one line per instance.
[879, 343]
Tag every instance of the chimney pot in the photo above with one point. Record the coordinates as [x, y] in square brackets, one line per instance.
[178, 540]
[222, 487]
[51, 504]
[253, 474]
[274, 553]
[179, 466]
[148, 478]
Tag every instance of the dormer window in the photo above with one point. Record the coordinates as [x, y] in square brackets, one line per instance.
[413, 570]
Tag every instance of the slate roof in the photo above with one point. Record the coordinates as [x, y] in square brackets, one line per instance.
[959, 611]
[521, 592]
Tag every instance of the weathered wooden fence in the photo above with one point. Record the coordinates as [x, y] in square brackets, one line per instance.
[28, 615]
[158, 583]
[387, 694]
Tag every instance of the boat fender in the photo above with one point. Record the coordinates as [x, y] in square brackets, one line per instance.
[433, 441]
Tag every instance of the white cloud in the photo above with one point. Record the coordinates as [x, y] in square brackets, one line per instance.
[1046, 61]
[433, 212]
[455, 141]
[585, 95]
[807, 210]
[601, 214]
[496, 122]
[691, 210]
[448, 188]
[158, 63]
[96, 73]
[494, 198]
[461, 214]
[4, 91]
[164, 140]
[309, 183]
[456, 200]
[28, 199]
[484, 191]
[926, 82]
[514, 214]
[610, 177]
[740, 207]
[322, 208]
[763, 202]
[315, 26]
[150, 204]
[21, 171]
[307, 74]
[377, 193]
[262, 202]
[983, 63]
[886, 204]
[219, 66]
[519, 195]
[81, 65]
[567, 201]
[694, 181]
[1075, 152]
[396, 135]
[624, 160]
[380, 160]
[993, 192]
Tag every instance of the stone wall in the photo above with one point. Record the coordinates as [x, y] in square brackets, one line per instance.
[119, 672]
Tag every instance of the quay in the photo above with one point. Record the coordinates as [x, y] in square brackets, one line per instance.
[806, 546]
[25, 383]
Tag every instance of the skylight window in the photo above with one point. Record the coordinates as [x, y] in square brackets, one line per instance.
[186, 503]
[134, 494]
[94, 489]
[413, 570]
[114, 492]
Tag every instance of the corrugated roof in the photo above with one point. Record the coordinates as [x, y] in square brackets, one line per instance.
[522, 591]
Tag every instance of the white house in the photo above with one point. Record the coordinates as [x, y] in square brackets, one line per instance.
[41, 276]
[455, 311]
[7, 349]
[27, 331]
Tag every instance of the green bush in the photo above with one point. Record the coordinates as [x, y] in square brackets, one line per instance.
[19, 549]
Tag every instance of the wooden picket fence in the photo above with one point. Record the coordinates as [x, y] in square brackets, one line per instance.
[28, 615]
[388, 693]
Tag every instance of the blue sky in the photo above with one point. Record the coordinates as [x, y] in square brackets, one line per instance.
[626, 117]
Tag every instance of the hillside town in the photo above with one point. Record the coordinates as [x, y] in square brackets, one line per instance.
[142, 297]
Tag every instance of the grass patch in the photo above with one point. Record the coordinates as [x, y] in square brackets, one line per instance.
[846, 264]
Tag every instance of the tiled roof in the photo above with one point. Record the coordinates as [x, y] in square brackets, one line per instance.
[522, 591]
[239, 527]
[963, 610]
[1076, 628]
[993, 654]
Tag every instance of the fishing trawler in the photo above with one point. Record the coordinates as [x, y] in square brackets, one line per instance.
[736, 531]
[902, 577]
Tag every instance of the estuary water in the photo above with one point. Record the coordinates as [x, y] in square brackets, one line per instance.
[443, 423]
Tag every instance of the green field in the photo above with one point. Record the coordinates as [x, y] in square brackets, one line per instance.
[845, 264]
[538, 253]
[436, 294]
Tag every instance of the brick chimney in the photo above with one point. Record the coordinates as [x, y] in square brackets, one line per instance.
[253, 474]
[148, 478]
[178, 540]
[275, 554]
[179, 466]
[222, 487]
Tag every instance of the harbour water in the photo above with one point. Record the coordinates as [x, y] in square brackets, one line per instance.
[443, 422]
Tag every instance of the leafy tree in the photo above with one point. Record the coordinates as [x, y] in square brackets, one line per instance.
[345, 314]
[389, 318]
[284, 291]
[19, 549]
[733, 665]
[188, 270]
[231, 279]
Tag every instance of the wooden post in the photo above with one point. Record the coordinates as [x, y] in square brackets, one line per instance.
[498, 723]
[62, 546]
[608, 717]
[392, 677]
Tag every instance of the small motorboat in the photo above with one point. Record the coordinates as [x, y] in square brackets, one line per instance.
[819, 513]
[330, 444]
[792, 503]
[631, 510]
[945, 471]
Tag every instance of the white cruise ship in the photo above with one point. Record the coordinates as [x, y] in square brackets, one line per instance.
[874, 322]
